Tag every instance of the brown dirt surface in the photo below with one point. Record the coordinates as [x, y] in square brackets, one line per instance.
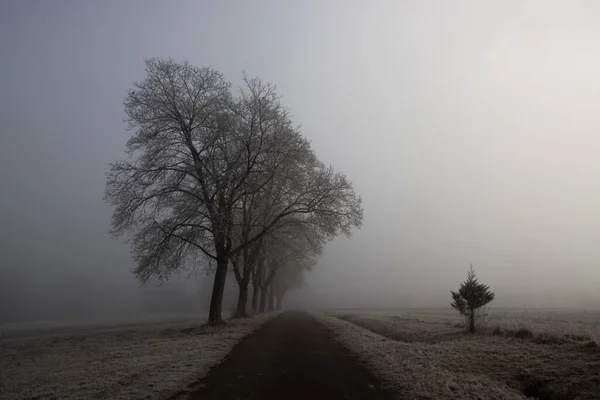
[290, 357]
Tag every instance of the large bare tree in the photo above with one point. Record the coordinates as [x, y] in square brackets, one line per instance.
[196, 154]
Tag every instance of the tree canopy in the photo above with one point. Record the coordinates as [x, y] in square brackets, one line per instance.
[471, 296]
[211, 173]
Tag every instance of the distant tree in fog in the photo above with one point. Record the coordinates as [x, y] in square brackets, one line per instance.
[287, 253]
[469, 299]
[200, 158]
[289, 277]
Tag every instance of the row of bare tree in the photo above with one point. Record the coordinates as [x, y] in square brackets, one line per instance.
[223, 180]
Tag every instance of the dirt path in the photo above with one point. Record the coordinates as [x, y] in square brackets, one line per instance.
[291, 357]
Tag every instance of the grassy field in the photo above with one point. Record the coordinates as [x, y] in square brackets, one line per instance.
[418, 354]
[133, 361]
[544, 354]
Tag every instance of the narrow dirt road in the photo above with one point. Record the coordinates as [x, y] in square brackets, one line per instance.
[290, 357]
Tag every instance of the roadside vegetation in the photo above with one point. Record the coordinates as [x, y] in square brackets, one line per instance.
[223, 181]
[428, 354]
[145, 362]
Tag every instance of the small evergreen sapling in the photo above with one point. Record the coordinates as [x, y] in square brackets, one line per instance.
[471, 296]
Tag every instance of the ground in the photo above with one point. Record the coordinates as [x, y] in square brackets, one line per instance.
[409, 354]
[427, 354]
[117, 362]
[292, 356]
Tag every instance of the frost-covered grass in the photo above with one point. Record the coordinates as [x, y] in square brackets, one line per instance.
[543, 321]
[405, 328]
[430, 325]
[424, 356]
[145, 362]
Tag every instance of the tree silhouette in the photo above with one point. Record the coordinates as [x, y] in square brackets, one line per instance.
[211, 173]
[471, 296]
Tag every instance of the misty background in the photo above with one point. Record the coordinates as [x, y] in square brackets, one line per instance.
[470, 128]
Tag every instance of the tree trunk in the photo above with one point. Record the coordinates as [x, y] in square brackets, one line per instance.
[216, 300]
[242, 300]
[255, 292]
[278, 303]
[271, 300]
[472, 321]
[263, 300]
[256, 280]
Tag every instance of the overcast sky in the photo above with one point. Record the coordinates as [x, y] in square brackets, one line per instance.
[470, 128]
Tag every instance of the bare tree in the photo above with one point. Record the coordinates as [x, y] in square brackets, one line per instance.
[257, 281]
[291, 276]
[196, 153]
[243, 266]
[293, 247]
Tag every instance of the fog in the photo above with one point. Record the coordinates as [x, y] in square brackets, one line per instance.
[469, 128]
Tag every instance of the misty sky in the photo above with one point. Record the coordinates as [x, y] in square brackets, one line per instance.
[470, 128]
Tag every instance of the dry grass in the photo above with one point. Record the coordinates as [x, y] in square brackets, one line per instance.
[137, 363]
[422, 356]
[548, 325]
[405, 328]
